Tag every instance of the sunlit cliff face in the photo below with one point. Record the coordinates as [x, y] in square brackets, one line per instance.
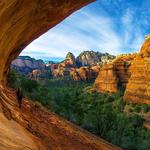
[138, 87]
[24, 21]
[133, 71]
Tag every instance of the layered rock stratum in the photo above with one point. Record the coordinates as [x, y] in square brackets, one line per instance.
[138, 87]
[107, 80]
[115, 75]
[130, 72]
[85, 73]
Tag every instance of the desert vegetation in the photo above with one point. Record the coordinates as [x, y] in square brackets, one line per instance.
[101, 114]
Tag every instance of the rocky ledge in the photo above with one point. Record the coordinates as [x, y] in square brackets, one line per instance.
[32, 127]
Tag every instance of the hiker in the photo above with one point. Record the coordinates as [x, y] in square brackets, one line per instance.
[19, 95]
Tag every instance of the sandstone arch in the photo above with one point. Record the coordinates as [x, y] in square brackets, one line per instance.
[22, 21]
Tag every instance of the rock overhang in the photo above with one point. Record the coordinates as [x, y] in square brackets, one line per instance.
[21, 22]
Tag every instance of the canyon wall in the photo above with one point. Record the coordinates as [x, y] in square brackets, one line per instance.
[85, 73]
[131, 72]
[115, 75]
[107, 80]
[138, 87]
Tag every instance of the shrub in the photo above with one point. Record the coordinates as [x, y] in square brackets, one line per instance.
[13, 79]
[136, 120]
[146, 108]
[99, 113]
[130, 110]
[137, 108]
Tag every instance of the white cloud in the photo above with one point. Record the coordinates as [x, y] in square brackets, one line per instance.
[138, 41]
[127, 20]
[86, 30]
[57, 42]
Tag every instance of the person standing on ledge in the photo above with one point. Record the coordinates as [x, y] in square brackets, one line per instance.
[19, 95]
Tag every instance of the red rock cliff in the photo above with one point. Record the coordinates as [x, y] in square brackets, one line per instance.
[107, 80]
[85, 73]
[122, 66]
[138, 87]
[115, 75]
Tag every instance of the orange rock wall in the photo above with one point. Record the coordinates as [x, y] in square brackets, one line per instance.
[130, 71]
[85, 73]
[107, 80]
[138, 87]
[122, 66]
[115, 75]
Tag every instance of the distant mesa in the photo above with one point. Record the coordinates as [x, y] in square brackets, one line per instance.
[89, 58]
[26, 64]
[127, 71]
[85, 67]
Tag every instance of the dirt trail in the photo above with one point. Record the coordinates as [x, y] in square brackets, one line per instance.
[31, 127]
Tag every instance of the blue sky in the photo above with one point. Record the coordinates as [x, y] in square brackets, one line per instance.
[114, 26]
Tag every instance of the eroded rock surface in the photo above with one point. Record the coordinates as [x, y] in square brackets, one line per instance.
[138, 87]
[115, 75]
[32, 127]
[26, 64]
[107, 80]
[13, 136]
[89, 58]
[132, 72]
[85, 73]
